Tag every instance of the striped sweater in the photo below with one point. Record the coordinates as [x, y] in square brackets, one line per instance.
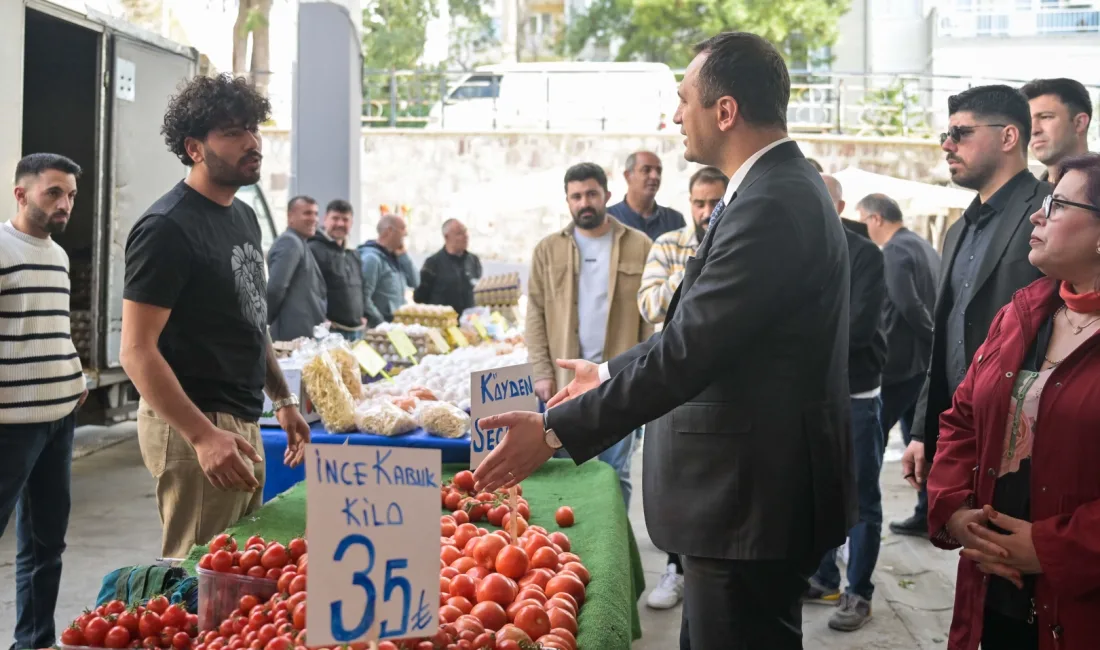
[40, 374]
[664, 269]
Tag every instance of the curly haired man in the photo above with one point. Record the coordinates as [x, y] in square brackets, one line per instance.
[194, 321]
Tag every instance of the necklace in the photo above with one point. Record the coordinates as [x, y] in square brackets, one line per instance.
[1076, 329]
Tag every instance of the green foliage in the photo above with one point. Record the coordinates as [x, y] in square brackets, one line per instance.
[667, 30]
[893, 110]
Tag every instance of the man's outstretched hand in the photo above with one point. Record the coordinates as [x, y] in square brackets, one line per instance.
[520, 452]
[587, 377]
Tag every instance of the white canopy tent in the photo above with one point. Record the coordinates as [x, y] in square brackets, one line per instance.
[914, 197]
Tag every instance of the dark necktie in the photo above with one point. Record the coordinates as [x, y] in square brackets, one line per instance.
[718, 211]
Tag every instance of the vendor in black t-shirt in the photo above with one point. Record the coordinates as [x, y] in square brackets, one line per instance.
[194, 321]
[448, 277]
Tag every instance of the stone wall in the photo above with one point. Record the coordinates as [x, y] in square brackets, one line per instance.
[508, 190]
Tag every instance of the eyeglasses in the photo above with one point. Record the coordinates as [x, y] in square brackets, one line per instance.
[957, 133]
[1050, 202]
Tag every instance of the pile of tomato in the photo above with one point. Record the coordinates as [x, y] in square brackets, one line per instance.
[259, 559]
[157, 624]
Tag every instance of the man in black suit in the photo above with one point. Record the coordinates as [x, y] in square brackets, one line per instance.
[748, 472]
[985, 253]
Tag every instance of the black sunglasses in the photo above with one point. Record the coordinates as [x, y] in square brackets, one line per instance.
[957, 133]
[1050, 202]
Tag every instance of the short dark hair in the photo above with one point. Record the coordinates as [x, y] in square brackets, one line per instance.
[997, 102]
[881, 205]
[301, 197]
[708, 175]
[749, 69]
[1089, 165]
[36, 163]
[1070, 92]
[339, 205]
[585, 171]
[205, 104]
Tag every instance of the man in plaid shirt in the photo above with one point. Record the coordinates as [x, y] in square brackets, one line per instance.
[664, 269]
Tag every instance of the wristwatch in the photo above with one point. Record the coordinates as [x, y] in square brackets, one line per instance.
[285, 402]
[548, 435]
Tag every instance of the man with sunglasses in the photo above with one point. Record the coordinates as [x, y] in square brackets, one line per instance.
[984, 254]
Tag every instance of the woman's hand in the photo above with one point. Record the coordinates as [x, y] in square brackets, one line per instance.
[1009, 556]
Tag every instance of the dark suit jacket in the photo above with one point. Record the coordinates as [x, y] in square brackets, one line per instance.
[749, 454]
[1004, 269]
[296, 292]
[866, 339]
[912, 266]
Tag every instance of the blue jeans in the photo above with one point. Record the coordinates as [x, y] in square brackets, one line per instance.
[35, 464]
[865, 538]
[617, 456]
[899, 402]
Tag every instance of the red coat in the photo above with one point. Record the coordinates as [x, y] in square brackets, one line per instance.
[1065, 474]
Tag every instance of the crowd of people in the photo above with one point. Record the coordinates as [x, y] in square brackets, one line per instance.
[763, 350]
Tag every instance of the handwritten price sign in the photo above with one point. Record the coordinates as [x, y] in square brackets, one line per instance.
[493, 392]
[373, 522]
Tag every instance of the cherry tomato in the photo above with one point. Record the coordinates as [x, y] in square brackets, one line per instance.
[115, 607]
[72, 636]
[298, 584]
[273, 574]
[96, 631]
[255, 572]
[149, 624]
[564, 516]
[533, 620]
[223, 541]
[300, 616]
[560, 539]
[249, 559]
[464, 480]
[275, 557]
[512, 561]
[181, 641]
[248, 602]
[174, 616]
[491, 615]
[255, 540]
[116, 637]
[129, 620]
[497, 588]
[297, 548]
[221, 562]
[204, 562]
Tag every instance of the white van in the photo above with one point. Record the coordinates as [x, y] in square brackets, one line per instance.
[572, 96]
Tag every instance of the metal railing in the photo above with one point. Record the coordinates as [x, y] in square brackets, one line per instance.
[1026, 19]
[851, 104]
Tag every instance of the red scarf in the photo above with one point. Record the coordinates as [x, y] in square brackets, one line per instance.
[1082, 303]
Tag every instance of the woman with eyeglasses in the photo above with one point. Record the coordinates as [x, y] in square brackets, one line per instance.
[1016, 481]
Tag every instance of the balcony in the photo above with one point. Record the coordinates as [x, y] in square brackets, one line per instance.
[1019, 19]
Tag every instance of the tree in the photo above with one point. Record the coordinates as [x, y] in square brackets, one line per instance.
[667, 30]
[253, 18]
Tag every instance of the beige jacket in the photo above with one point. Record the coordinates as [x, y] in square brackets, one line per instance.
[552, 299]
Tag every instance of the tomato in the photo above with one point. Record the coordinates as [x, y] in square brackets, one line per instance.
[300, 616]
[565, 635]
[462, 603]
[255, 540]
[248, 602]
[273, 574]
[561, 618]
[464, 564]
[566, 558]
[521, 523]
[487, 549]
[477, 510]
[532, 593]
[255, 572]
[115, 607]
[564, 516]
[447, 526]
[297, 548]
[279, 643]
[461, 517]
[387, 645]
[275, 557]
[478, 573]
[149, 624]
[174, 616]
[116, 637]
[151, 642]
[226, 628]
[258, 618]
[579, 569]
[544, 558]
[483, 640]
[449, 614]
[558, 602]
[449, 554]
[223, 541]
[451, 500]
[519, 604]
[72, 636]
[524, 510]
[129, 620]
[508, 644]
[180, 641]
[464, 586]
[561, 539]
[249, 559]
[298, 584]
[512, 633]
[463, 534]
[294, 599]
[537, 577]
[96, 630]
[533, 620]
[464, 481]
[512, 562]
[491, 615]
[283, 584]
[221, 562]
[497, 588]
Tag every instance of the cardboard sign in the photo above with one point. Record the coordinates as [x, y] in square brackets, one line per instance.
[403, 344]
[498, 318]
[370, 361]
[458, 337]
[440, 342]
[373, 519]
[493, 392]
[481, 330]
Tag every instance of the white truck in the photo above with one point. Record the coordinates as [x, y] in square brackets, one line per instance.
[91, 87]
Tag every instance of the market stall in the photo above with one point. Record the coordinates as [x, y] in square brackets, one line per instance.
[601, 536]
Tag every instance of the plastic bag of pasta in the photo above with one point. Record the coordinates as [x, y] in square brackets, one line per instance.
[443, 419]
[384, 418]
[329, 394]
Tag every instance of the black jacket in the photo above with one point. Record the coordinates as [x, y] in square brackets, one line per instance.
[343, 275]
[866, 340]
[749, 454]
[447, 279]
[1003, 270]
[912, 266]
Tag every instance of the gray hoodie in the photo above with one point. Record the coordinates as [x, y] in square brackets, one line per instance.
[385, 279]
[296, 292]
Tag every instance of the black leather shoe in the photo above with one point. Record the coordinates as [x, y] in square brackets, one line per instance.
[914, 526]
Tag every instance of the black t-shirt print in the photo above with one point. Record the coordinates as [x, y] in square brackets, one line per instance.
[204, 261]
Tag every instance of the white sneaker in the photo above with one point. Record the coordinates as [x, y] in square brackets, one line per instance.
[669, 591]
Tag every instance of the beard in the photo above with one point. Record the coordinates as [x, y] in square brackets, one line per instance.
[227, 174]
[47, 222]
[589, 218]
[700, 232]
[975, 175]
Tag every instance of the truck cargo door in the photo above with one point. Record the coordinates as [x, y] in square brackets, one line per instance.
[142, 79]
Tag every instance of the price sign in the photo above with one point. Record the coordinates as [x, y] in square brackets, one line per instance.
[493, 392]
[458, 337]
[403, 344]
[481, 330]
[439, 341]
[498, 318]
[369, 360]
[373, 519]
